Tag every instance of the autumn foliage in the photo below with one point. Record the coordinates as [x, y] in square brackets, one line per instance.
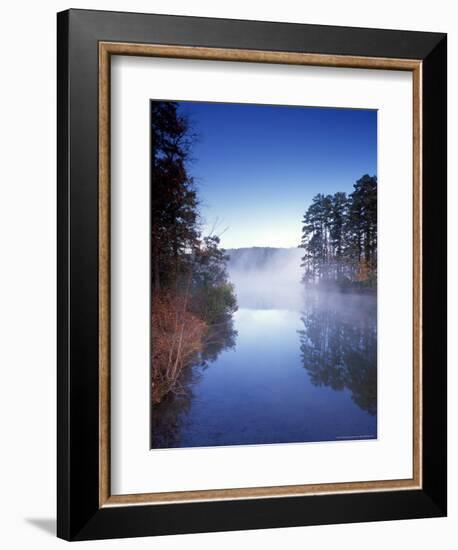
[177, 337]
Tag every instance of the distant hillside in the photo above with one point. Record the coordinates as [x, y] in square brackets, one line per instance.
[266, 277]
[260, 258]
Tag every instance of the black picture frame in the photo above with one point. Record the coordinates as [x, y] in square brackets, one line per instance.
[79, 515]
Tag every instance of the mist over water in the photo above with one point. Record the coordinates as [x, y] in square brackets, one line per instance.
[267, 278]
[294, 366]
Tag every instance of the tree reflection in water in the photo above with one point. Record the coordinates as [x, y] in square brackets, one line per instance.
[339, 344]
[168, 417]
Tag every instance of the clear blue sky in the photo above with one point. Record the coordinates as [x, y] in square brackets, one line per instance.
[257, 167]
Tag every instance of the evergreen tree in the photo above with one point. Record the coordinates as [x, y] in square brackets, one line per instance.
[174, 215]
[339, 212]
[313, 239]
[339, 237]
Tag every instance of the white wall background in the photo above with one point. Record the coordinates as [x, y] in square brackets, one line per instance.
[27, 273]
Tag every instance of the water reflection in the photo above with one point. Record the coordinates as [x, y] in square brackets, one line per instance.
[222, 336]
[339, 345]
[168, 419]
[279, 375]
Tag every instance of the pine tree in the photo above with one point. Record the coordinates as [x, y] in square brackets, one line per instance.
[339, 213]
[174, 215]
[362, 226]
[339, 236]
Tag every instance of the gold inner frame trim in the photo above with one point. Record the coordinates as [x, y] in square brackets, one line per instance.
[106, 50]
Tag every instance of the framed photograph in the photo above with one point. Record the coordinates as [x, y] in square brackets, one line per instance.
[252, 274]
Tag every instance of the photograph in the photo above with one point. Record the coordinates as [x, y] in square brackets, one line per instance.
[263, 274]
[251, 333]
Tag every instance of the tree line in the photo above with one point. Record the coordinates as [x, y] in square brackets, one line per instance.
[191, 293]
[339, 238]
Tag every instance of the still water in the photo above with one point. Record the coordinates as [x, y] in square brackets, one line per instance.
[303, 372]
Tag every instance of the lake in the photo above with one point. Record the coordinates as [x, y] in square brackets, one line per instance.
[289, 367]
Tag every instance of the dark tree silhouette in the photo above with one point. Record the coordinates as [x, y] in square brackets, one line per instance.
[174, 215]
[339, 238]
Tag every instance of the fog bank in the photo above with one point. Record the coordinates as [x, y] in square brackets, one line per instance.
[267, 278]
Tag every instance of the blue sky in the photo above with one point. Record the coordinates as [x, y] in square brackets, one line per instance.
[257, 167]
